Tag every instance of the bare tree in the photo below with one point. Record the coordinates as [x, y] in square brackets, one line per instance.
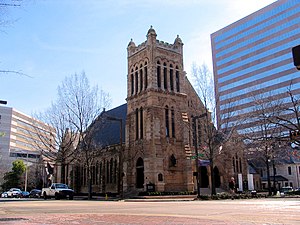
[81, 104]
[263, 137]
[211, 138]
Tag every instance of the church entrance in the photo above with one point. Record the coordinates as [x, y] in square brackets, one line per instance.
[140, 173]
[203, 177]
[217, 177]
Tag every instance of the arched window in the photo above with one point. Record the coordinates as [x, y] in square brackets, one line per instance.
[167, 121]
[141, 77]
[160, 177]
[233, 164]
[173, 122]
[141, 124]
[173, 160]
[171, 78]
[107, 171]
[140, 173]
[132, 82]
[177, 80]
[158, 75]
[111, 170]
[100, 173]
[136, 124]
[236, 163]
[136, 80]
[165, 77]
[240, 165]
[146, 75]
[115, 172]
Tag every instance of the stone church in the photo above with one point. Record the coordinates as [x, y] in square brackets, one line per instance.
[146, 142]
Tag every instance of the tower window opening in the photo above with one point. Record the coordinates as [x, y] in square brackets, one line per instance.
[171, 78]
[165, 77]
[158, 75]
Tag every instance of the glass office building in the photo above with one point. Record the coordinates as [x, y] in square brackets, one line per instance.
[254, 56]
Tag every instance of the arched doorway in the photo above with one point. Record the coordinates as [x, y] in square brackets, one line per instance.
[140, 173]
[203, 177]
[217, 177]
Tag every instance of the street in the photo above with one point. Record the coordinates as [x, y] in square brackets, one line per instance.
[252, 211]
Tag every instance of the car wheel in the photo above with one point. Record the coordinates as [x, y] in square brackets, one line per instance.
[56, 196]
[45, 195]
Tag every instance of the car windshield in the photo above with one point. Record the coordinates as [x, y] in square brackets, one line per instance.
[15, 189]
[61, 186]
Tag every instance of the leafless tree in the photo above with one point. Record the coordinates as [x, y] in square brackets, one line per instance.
[212, 139]
[264, 137]
[81, 104]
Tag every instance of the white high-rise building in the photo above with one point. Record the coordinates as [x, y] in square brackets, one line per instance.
[18, 135]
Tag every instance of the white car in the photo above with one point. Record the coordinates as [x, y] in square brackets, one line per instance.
[4, 195]
[14, 193]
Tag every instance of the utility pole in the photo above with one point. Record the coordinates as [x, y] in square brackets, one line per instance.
[195, 118]
[120, 177]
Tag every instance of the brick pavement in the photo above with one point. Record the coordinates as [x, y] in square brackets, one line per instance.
[108, 219]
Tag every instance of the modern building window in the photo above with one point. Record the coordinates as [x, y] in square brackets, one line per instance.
[165, 77]
[167, 121]
[158, 75]
[136, 124]
[173, 122]
[141, 124]
[290, 170]
[141, 77]
[177, 80]
[171, 78]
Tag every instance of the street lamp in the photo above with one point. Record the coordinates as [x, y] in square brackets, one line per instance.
[195, 118]
[120, 177]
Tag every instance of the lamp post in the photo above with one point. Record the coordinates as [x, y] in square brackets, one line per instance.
[195, 118]
[120, 177]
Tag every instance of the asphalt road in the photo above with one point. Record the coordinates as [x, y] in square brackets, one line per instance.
[253, 211]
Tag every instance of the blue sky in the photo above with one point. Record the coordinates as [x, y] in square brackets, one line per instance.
[52, 39]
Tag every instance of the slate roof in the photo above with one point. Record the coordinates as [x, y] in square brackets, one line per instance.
[107, 131]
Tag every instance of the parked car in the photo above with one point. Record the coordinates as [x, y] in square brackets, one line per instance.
[4, 195]
[35, 193]
[25, 194]
[14, 193]
[58, 191]
[285, 190]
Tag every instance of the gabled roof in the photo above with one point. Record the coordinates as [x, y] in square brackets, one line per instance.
[107, 126]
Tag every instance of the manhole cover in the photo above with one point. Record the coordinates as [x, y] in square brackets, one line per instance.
[12, 219]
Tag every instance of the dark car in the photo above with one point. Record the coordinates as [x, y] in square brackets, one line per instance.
[25, 194]
[35, 193]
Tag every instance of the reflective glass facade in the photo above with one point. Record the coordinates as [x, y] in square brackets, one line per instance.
[254, 55]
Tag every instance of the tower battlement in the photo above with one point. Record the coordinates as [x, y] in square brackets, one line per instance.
[151, 40]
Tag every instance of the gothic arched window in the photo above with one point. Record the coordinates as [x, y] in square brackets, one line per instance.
[177, 80]
[167, 121]
[136, 80]
[173, 122]
[141, 124]
[141, 77]
[158, 74]
[132, 82]
[165, 77]
[136, 124]
[146, 75]
[171, 78]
